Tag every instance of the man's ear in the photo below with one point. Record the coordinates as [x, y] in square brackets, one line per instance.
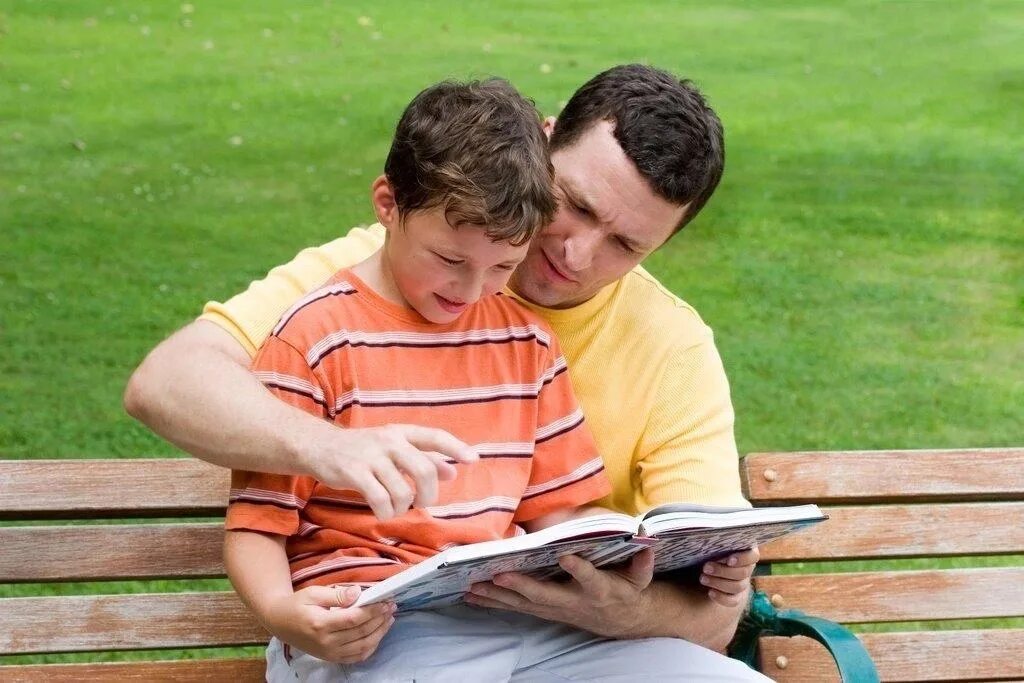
[384, 204]
[549, 126]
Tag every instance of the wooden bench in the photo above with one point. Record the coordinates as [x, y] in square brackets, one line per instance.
[882, 506]
[889, 506]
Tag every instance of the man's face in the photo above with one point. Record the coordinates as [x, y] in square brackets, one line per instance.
[608, 220]
[439, 270]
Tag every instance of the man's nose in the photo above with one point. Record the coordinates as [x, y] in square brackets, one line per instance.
[579, 249]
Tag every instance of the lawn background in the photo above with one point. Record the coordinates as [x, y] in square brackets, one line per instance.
[862, 263]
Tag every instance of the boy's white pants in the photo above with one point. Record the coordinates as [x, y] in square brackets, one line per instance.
[467, 644]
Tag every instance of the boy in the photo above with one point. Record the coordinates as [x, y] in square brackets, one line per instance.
[413, 335]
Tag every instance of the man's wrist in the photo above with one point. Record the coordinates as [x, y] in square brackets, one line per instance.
[298, 439]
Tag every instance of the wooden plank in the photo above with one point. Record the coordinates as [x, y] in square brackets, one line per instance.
[862, 597]
[983, 655]
[146, 487]
[243, 670]
[111, 552]
[890, 531]
[884, 476]
[84, 623]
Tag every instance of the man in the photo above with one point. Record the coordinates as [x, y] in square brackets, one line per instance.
[637, 154]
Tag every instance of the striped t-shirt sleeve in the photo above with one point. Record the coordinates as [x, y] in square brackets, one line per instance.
[567, 470]
[270, 503]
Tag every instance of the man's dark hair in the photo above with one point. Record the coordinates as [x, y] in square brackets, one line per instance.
[477, 150]
[663, 124]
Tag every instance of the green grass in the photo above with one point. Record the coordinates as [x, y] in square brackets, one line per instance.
[862, 263]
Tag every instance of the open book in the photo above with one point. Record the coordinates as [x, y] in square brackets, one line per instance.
[681, 535]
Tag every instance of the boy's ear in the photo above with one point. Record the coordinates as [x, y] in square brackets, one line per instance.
[384, 204]
[549, 126]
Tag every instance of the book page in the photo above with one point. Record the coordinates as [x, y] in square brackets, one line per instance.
[692, 546]
[451, 581]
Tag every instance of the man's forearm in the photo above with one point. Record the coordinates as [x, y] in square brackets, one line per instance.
[195, 390]
[671, 609]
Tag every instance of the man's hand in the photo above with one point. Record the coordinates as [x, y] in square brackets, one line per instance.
[605, 602]
[377, 461]
[728, 579]
[319, 621]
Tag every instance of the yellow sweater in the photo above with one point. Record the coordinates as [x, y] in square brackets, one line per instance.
[642, 362]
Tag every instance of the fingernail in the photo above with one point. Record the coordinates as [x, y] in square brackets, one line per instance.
[704, 579]
[733, 561]
[709, 568]
[351, 592]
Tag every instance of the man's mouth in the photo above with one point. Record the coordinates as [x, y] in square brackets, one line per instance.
[449, 305]
[555, 272]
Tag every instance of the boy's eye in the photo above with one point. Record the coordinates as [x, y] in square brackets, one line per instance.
[449, 261]
[504, 266]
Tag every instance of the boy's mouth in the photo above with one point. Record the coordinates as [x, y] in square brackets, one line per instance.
[449, 305]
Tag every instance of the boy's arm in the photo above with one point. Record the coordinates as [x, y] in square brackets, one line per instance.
[317, 619]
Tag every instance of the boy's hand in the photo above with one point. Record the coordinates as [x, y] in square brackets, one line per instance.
[319, 621]
[728, 579]
[377, 461]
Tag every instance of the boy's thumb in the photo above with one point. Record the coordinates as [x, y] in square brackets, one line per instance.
[333, 596]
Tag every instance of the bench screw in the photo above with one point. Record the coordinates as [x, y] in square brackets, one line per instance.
[781, 662]
[771, 475]
[776, 600]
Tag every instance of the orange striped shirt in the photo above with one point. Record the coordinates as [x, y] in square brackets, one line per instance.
[494, 377]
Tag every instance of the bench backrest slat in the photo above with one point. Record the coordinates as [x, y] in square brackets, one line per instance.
[863, 597]
[896, 531]
[78, 489]
[237, 670]
[111, 552]
[126, 622]
[884, 476]
[905, 656]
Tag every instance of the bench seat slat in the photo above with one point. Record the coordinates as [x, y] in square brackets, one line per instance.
[891, 531]
[864, 597]
[884, 476]
[144, 487]
[111, 552]
[982, 655]
[88, 623]
[240, 670]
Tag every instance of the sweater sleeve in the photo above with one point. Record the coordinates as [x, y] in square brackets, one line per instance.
[250, 315]
[688, 450]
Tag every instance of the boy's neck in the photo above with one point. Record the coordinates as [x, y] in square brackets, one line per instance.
[376, 273]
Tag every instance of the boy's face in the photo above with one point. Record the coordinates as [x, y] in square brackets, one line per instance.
[439, 270]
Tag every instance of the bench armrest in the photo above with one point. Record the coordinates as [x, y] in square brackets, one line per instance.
[852, 660]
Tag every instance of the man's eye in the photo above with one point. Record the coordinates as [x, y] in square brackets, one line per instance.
[580, 210]
[503, 266]
[624, 246]
[449, 261]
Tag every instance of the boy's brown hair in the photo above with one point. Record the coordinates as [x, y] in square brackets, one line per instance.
[478, 151]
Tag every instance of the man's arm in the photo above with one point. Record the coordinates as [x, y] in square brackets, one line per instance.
[195, 390]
